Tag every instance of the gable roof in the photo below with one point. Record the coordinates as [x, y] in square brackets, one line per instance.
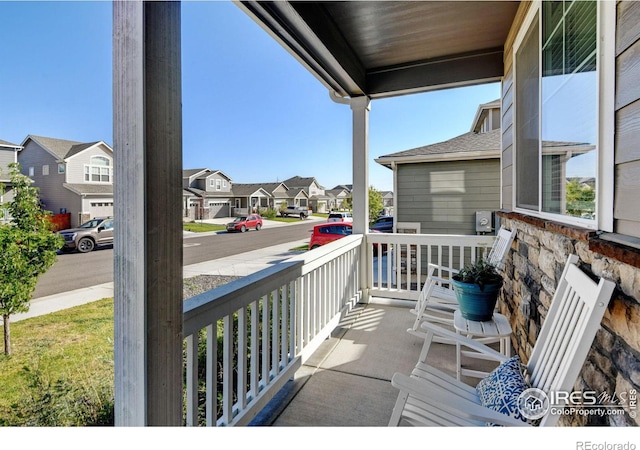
[464, 147]
[245, 190]
[301, 182]
[269, 187]
[482, 112]
[197, 173]
[62, 148]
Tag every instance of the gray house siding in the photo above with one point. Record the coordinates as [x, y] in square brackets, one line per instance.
[52, 194]
[627, 107]
[444, 196]
[7, 156]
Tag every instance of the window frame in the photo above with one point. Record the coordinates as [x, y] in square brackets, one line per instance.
[92, 169]
[606, 23]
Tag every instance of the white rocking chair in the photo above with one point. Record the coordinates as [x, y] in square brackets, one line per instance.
[434, 398]
[437, 301]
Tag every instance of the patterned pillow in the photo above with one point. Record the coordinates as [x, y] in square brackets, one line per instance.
[502, 387]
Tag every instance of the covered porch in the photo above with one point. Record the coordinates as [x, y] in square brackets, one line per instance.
[246, 341]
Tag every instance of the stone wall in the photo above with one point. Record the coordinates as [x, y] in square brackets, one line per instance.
[532, 269]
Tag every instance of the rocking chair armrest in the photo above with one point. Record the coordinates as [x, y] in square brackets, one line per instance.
[449, 402]
[432, 267]
[435, 330]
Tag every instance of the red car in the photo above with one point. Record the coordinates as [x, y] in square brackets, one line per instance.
[242, 224]
[329, 232]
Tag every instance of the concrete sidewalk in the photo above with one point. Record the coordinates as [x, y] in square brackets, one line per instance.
[237, 265]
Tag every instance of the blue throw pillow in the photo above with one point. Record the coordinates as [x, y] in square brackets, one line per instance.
[500, 390]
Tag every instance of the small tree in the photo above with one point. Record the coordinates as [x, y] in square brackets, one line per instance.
[376, 204]
[28, 247]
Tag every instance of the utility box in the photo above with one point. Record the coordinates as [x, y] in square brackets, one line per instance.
[484, 221]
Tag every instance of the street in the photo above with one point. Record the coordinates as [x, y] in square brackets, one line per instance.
[80, 270]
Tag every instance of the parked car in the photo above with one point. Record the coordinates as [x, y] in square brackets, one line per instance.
[328, 232]
[332, 231]
[89, 235]
[340, 217]
[384, 224]
[243, 223]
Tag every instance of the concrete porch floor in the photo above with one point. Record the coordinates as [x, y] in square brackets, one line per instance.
[347, 382]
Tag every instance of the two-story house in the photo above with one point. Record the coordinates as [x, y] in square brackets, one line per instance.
[439, 188]
[206, 194]
[318, 200]
[8, 155]
[74, 178]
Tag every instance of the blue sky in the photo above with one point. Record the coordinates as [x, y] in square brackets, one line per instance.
[249, 108]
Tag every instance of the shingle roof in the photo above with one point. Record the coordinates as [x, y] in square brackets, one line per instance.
[83, 188]
[8, 144]
[488, 143]
[269, 187]
[186, 173]
[62, 148]
[300, 182]
[246, 189]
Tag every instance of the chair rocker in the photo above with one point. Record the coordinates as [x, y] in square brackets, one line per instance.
[437, 301]
[431, 397]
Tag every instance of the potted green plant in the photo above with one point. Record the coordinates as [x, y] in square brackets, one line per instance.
[477, 286]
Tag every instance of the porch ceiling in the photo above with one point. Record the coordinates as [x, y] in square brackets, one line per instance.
[387, 48]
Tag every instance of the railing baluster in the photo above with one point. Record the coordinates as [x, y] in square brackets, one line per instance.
[255, 349]
[275, 332]
[211, 399]
[192, 380]
[241, 387]
[227, 370]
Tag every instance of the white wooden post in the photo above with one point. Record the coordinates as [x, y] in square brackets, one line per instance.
[147, 128]
[360, 106]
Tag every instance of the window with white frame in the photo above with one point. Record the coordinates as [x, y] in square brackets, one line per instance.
[62, 168]
[556, 105]
[99, 170]
[218, 184]
[45, 169]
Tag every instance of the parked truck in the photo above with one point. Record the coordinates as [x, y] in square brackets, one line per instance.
[296, 211]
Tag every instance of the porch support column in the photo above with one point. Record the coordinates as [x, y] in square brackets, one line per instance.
[360, 106]
[147, 138]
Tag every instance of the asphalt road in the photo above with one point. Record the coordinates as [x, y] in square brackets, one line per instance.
[80, 270]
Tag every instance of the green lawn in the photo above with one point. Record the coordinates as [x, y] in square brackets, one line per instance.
[198, 227]
[61, 363]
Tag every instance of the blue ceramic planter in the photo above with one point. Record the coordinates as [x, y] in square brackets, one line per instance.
[476, 304]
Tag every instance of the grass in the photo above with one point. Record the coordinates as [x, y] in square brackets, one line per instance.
[198, 227]
[70, 348]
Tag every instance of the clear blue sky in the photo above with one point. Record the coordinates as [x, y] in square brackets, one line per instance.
[249, 108]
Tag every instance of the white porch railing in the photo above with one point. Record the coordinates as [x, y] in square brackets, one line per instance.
[245, 339]
[400, 268]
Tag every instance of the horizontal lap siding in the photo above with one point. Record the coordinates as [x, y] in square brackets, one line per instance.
[444, 196]
[627, 140]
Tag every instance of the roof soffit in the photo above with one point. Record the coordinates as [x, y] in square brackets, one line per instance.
[386, 48]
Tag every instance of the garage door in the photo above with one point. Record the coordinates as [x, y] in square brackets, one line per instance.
[218, 210]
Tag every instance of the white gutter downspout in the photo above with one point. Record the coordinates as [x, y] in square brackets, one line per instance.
[360, 106]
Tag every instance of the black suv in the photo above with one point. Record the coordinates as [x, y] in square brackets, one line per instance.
[85, 238]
